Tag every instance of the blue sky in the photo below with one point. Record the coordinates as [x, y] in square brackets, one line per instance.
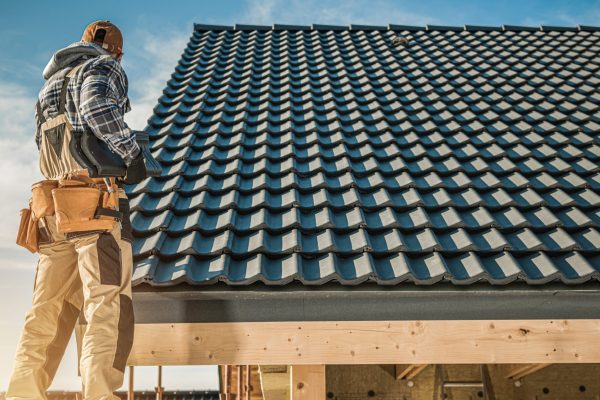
[155, 34]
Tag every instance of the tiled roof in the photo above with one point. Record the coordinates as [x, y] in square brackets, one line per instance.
[390, 154]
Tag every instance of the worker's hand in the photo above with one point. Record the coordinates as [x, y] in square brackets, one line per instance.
[136, 171]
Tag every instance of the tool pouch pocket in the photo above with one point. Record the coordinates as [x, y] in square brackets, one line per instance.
[76, 209]
[28, 234]
[42, 203]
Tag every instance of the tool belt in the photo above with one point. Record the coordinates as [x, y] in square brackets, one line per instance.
[78, 202]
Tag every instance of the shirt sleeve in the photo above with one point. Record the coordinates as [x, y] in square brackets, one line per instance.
[102, 92]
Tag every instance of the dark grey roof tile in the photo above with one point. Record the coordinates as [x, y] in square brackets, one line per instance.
[489, 240]
[574, 218]
[321, 154]
[456, 240]
[587, 239]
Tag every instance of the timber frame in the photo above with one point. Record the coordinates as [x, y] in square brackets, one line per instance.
[367, 324]
[523, 327]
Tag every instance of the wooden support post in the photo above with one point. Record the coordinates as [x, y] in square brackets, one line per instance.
[159, 388]
[238, 391]
[248, 380]
[228, 382]
[130, 393]
[307, 382]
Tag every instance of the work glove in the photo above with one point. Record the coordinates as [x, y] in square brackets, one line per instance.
[136, 171]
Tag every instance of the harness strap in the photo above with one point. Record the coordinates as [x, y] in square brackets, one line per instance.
[63, 91]
[63, 94]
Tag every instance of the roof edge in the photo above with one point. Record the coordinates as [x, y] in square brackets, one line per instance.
[219, 304]
[392, 27]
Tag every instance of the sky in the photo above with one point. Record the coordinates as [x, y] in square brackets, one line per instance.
[155, 34]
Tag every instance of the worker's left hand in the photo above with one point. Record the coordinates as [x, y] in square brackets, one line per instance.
[136, 171]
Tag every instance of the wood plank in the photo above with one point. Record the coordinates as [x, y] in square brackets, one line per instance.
[369, 342]
[307, 382]
[518, 371]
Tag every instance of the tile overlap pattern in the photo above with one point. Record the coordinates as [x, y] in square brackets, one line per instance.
[398, 154]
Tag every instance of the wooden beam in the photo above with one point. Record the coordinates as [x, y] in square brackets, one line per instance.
[408, 371]
[369, 342]
[518, 371]
[307, 382]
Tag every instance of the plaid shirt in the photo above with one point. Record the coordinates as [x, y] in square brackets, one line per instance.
[96, 98]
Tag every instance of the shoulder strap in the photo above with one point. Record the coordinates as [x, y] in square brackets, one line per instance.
[40, 112]
[63, 91]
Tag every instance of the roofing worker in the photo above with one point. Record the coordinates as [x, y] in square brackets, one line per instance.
[78, 223]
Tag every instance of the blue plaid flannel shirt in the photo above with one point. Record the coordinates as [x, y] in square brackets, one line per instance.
[96, 97]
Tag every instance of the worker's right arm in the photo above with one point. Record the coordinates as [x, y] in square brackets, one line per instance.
[101, 105]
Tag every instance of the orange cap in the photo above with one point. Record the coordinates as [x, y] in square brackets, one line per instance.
[106, 34]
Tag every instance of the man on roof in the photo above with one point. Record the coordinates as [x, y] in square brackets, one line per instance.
[78, 220]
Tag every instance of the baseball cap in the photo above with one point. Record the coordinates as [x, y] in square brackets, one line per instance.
[106, 34]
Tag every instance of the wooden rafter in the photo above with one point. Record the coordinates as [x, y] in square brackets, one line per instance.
[518, 371]
[408, 371]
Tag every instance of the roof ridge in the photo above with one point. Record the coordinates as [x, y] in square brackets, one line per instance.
[391, 27]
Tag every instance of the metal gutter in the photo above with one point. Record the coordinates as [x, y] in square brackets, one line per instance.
[334, 302]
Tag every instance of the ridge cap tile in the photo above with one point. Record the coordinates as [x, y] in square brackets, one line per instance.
[320, 27]
[520, 28]
[356, 27]
[486, 28]
[395, 27]
[208, 27]
[444, 28]
[282, 27]
[558, 28]
[247, 27]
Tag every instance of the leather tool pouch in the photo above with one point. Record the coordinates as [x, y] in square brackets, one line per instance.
[79, 208]
[42, 203]
[27, 235]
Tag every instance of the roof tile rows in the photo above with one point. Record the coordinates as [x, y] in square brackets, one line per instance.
[334, 153]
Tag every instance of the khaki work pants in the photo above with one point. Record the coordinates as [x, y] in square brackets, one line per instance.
[88, 272]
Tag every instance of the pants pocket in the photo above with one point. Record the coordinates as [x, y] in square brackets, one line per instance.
[109, 260]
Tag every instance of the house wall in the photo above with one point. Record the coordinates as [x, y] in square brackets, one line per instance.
[557, 381]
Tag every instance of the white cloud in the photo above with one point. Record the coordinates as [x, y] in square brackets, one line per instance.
[149, 66]
[374, 12]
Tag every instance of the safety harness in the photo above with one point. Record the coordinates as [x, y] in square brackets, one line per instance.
[57, 146]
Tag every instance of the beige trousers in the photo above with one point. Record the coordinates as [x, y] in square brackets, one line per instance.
[82, 275]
